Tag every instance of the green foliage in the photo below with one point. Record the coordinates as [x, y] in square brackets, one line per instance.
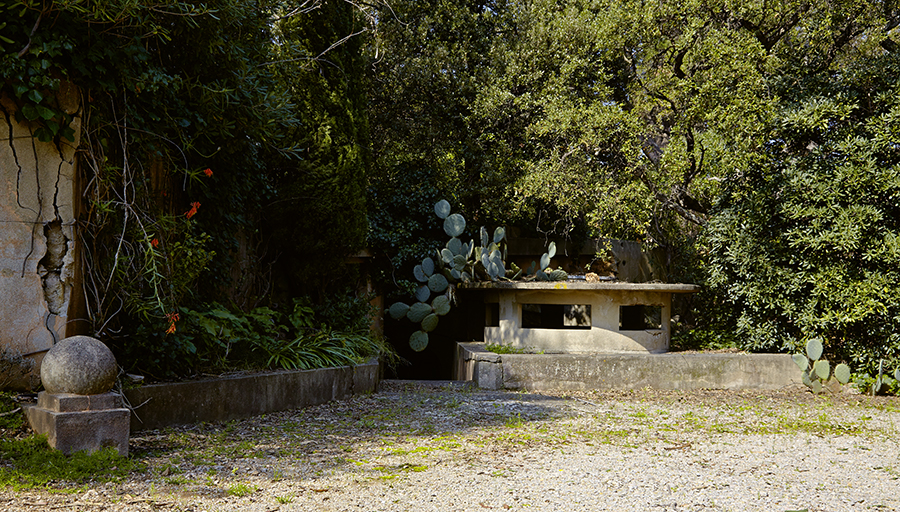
[507, 349]
[317, 216]
[806, 244]
[215, 339]
[32, 463]
[168, 89]
[9, 420]
[884, 383]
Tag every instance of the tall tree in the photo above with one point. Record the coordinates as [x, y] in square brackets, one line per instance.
[806, 242]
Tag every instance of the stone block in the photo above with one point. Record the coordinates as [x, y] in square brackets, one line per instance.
[74, 423]
[68, 402]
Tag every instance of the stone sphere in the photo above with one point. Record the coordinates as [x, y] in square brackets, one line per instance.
[80, 365]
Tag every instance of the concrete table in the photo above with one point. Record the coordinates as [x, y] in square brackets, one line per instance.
[579, 317]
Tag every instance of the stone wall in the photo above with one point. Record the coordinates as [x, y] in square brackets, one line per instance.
[37, 242]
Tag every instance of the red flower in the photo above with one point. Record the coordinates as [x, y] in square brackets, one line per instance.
[173, 317]
[193, 211]
[154, 242]
[207, 172]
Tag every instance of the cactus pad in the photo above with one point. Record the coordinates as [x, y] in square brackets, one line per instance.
[484, 237]
[418, 311]
[459, 262]
[801, 361]
[455, 245]
[446, 256]
[422, 293]
[551, 249]
[822, 369]
[817, 386]
[441, 305]
[418, 341]
[437, 283]
[428, 266]
[558, 275]
[430, 322]
[454, 225]
[499, 234]
[442, 209]
[419, 272]
[842, 373]
[545, 261]
[814, 349]
[398, 310]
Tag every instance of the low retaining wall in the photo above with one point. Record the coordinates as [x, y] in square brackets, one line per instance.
[673, 370]
[229, 398]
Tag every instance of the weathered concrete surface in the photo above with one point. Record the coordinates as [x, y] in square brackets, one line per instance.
[37, 248]
[74, 423]
[605, 300]
[161, 405]
[81, 365]
[535, 372]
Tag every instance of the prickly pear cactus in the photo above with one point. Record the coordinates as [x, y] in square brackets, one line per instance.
[460, 262]
[816, 371]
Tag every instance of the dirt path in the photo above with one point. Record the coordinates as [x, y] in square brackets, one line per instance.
[418, 447]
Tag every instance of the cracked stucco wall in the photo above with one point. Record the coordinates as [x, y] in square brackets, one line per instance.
[37, 239]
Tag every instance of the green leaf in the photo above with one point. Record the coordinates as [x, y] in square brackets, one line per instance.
[43, 134]
[30, 112]
[45, 112]
[35, 95]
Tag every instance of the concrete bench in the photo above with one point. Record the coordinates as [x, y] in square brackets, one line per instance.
[579, 317]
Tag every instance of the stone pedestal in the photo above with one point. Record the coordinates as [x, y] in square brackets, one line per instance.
[75, 423]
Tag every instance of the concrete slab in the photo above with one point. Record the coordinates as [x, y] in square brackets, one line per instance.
[536, 372]
[243, 396]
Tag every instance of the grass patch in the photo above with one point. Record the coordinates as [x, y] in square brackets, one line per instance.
[34, 464]
[506, 349]
[10, 420]
[241, 490]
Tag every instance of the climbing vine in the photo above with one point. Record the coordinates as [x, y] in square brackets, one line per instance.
[189, 133]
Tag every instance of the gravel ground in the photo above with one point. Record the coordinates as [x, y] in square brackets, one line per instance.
[415, 446]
